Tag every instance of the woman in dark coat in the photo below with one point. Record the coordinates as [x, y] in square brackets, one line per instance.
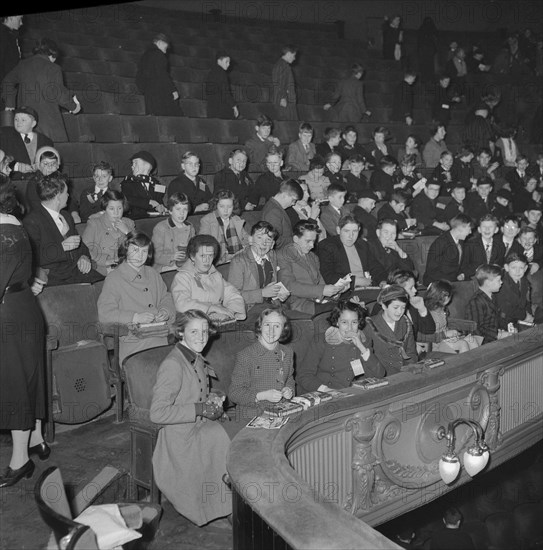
[154, 81]
[348, 99]
[40, 73]
[22, 386]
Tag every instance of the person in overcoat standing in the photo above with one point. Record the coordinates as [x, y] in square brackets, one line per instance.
[37, 82]
[154, 81]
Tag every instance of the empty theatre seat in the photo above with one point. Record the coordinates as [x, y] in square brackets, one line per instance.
[76, 159]
[140, 129]
[182, 130]
[193, 107]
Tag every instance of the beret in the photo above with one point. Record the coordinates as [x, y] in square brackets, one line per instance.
[391, 292]
[146, 156]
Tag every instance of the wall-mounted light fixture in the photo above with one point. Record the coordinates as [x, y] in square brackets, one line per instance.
[475, 458]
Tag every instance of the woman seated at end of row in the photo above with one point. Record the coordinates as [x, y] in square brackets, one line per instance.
[198, 284]
[135, 293]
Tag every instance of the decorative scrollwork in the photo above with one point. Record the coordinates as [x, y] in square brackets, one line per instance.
[490, 379]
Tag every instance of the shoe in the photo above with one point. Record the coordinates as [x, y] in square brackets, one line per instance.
[41, 449]
[11, 477]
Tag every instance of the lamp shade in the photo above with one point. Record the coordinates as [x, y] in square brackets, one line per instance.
[449, 468]
[475, 460]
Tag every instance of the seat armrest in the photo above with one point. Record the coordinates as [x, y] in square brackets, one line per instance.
[51, 343]
[113, 330]
[465, 325]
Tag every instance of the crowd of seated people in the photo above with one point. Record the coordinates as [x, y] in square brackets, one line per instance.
[321, 249]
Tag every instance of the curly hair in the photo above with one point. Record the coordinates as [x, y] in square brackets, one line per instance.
[223, 194]
[183, 318]
[347, 305]
[286, 333]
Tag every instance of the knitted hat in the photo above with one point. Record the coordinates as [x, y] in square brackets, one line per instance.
[391, 292]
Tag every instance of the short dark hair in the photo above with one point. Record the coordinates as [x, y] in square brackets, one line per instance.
[305, 127]
[511, 218]
[292, 186]
[8, 195]
[437, 294]
[177, 198]
[47, 47]
[400, 276]
[460, 219]
[263, 225]
[347, 218]
[387, 160]
[199, 241]
[286, 333]
[356, 158]
[489, 218]
[485, 180]
[516, 257]
[452, 516]
[222, 194]
[347, 305]
[434, 129]
[331, 132]
[113, 195]
[334, 188]
[50, 186]
[399, 195]
[486, 271]
[137, 238]
[289, 48]
[388, 221]
[350, 128]
[103, 165]
[316, 162]
[302, 226]
[264, 120]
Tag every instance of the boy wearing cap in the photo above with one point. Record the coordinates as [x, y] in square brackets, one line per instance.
[362, 212]
[144, 193]
[502, 207]
[21, 141]
[220, 101]
[154, 81]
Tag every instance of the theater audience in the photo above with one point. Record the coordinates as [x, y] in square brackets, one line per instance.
[254, 271]
[480, 202]
[451, 535]
[198, 284]
[47, 162]
[456, 205]
[106, 230]
[485, 247]
[411, 147]
[274, 211]
[90, 198]
[191, 448]
[333, 210]
[344, 354]
[445, 253]
[22, 141]
[385, 248]
[424, 208]
[299, 271]
[306, 209]
[235, 178]
[264, 371]
[383, 179]
[442, 174]
[513, 298]
[445, 339]
[482, 306]
[268, 183]
[315, 179]
[378, 148]
[482, 168]
[261, 144]
[332, 137]
[436, 145]
[144, 192]
[349, 145]
[192, 185]
[345, 253]
[510, 228]
[362, 212]
[56, 244]
[301, 151]
[171, 236]
[133, 294]
[355, 181]
[227, 227]
[395, 209]
[389, 333]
